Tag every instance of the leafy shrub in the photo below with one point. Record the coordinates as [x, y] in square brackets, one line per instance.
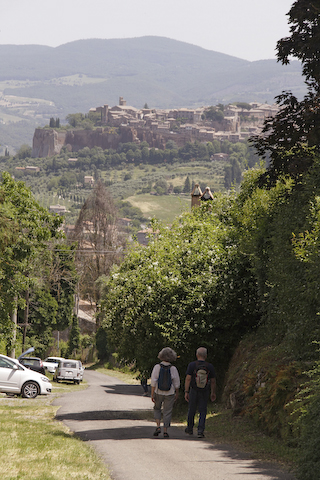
[306, 413]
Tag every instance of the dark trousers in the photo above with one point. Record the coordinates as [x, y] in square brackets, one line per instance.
[198, 399]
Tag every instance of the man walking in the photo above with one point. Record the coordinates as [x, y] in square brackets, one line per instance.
[200, 383]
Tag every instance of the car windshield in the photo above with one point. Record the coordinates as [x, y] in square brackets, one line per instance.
[4, 363]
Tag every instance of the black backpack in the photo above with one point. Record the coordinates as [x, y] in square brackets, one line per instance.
[164, 379]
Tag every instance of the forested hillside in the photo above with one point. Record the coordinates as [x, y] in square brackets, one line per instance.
[39, 82]
[131, 170]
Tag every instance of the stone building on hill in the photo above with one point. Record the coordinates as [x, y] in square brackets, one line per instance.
[123, 124]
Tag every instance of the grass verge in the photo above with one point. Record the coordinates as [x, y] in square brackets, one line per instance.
[241, 433]
[35, 446]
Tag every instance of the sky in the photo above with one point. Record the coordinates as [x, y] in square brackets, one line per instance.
[248, 29]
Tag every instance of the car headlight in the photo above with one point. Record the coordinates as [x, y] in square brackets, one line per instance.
[45, 379]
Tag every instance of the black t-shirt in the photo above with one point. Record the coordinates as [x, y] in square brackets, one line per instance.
[191, 371]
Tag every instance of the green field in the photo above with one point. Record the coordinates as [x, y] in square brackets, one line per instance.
[163, 207]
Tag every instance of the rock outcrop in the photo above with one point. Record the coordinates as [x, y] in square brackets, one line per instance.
[49, 141]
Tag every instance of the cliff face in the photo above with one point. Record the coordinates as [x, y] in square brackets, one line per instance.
[48, 142]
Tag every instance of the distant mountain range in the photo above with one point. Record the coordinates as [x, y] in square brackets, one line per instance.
[161, 72]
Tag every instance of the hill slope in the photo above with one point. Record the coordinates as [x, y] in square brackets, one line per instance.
[162, 72]
[165, 72]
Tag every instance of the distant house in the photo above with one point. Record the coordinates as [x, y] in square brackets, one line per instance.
[143, 236]
[59, 209]
[89, 180]
[125, 221]
[32, 169]
[220, 156]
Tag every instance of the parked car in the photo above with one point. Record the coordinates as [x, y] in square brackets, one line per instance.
[34, 363]
[70, 370]
[16, 379]
[51, 363]
[81, 367]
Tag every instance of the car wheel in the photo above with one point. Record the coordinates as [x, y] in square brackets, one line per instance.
[30, 390]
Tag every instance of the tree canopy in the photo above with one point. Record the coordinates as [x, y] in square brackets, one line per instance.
[285, 137]
[189, 286]
[33, 275]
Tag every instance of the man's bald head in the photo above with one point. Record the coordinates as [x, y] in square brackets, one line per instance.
[201, 353]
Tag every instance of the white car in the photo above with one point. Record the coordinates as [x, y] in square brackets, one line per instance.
[69, 369]
[51, 363]
[19, 380]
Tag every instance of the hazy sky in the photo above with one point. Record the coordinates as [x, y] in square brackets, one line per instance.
[247, 29]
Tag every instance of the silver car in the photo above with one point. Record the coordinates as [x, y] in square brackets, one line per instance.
[69, 369]
[19, 380]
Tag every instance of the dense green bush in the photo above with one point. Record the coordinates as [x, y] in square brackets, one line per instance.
[308, 404]
[190, 286]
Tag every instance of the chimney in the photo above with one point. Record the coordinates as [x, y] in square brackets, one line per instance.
[196, 196]
[207, 195]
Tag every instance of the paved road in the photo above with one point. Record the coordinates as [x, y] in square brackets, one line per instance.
[109, 414]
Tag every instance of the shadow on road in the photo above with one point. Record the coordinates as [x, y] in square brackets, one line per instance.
[104, 415]
[225, 453]
[123, 389]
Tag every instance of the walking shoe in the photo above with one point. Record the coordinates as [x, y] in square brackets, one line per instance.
[189, 432]
[157, 432]
[200, 435]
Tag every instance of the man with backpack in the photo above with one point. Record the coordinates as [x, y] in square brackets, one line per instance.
[200, 384]
[165, 383]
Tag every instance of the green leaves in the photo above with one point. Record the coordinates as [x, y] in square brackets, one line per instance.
[172, 292]
[26, 262]
[297, 123]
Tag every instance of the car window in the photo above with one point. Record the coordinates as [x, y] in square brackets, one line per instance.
[29, 361]
[4, 363]
[69, 365]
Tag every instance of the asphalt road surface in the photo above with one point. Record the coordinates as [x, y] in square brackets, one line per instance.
[109, 414]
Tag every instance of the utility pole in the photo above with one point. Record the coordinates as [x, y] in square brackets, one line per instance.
[26, 315]
[14, 330]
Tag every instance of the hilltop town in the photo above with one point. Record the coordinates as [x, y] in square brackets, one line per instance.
[123, 123]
